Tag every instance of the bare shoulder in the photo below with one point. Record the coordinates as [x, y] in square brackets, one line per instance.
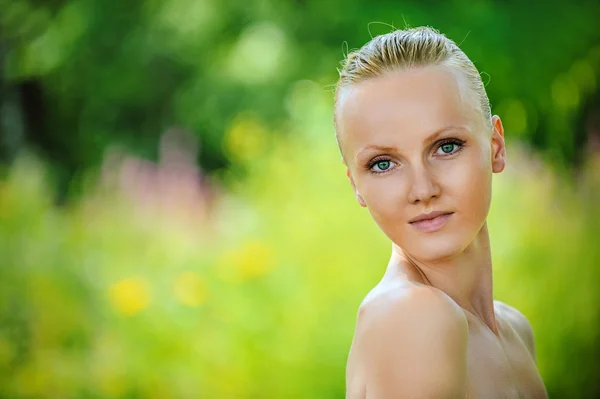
[405, 300]
[412, 341]
[519, 323]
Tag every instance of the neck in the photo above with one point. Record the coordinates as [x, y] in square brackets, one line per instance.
[466, 277]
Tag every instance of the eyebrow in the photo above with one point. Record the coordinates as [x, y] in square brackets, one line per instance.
[431, 138]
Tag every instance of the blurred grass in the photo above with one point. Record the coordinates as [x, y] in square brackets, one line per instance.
[156, 280]
[142, 289]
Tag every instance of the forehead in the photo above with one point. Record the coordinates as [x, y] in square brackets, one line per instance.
[401, 107]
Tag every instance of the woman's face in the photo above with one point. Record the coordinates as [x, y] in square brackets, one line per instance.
[412, 146]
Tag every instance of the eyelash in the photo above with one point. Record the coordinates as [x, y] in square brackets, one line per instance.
[459, 144]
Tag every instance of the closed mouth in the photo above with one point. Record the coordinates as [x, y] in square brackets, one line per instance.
[430, 225]
[429, 216]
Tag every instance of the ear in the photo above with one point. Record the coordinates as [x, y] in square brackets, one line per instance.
[498, 145]
[360, 199]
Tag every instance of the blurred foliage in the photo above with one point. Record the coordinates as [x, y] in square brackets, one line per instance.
[241, 278]
[153, 285]
[91, 73]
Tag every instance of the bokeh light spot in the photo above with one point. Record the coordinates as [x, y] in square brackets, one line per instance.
[258, 54]
[246, 138]
[565, 93]
[253, 259]
[129, 296]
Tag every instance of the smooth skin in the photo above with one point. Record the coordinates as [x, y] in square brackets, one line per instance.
[414, 141]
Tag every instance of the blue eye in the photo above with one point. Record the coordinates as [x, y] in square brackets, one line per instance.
[451, 147]
[381, 166]
[447, 148]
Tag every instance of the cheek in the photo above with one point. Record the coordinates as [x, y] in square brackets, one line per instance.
[471, 189]
[385, 199]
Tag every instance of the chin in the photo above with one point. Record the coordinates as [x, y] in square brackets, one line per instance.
[433, 247]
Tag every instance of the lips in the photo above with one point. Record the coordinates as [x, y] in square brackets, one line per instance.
[431, 222]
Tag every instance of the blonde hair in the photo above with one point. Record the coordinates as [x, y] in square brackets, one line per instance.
[409, 48]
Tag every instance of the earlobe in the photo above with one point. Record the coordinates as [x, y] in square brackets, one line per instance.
[359, 198]
[361, 201]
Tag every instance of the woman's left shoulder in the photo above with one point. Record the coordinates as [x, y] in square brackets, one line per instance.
[518, 322]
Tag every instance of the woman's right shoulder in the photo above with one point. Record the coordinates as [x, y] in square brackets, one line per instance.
[401, 300]
[413, 333]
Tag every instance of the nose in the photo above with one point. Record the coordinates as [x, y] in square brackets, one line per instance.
[423, 185]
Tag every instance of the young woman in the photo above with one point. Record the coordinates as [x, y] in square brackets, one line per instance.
[415, 130]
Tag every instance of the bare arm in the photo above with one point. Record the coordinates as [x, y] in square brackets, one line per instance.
[414, 346]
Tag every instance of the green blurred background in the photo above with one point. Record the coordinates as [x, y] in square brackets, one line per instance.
[175, 220]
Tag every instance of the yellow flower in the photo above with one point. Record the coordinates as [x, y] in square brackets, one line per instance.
[129, 296]
[190, 289]
[246, 138]
[253, 259]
